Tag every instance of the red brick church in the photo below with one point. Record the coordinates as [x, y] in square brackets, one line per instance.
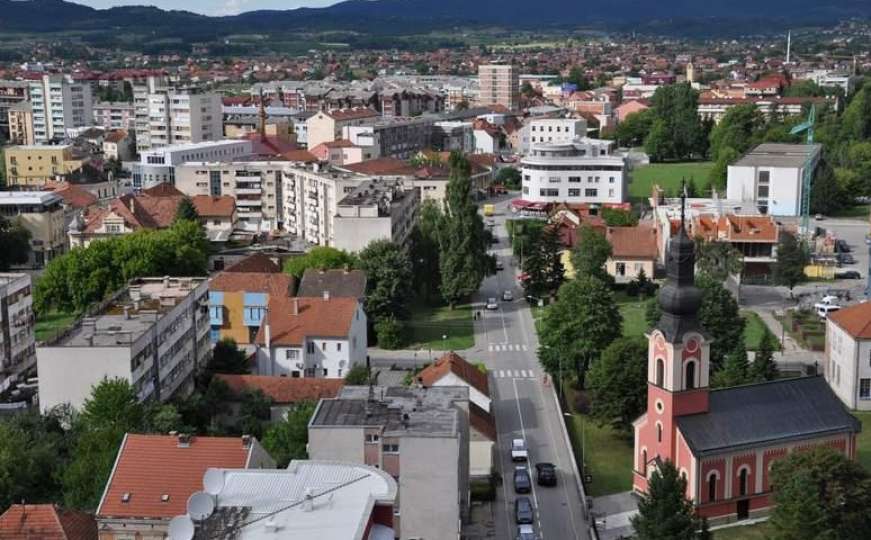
[723, 441]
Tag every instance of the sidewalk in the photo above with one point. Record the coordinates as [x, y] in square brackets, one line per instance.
[792, 353]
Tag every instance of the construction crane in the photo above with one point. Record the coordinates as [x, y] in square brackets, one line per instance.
[808, 127]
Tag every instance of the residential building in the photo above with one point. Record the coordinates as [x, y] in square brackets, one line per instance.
[583, 171]
[633, 250]
[630, 107]
[418, 436]
[714, 108]
[170, 116]
[119, 144]
[46, 522]
[158, 165]
[339, 501]
[153, 333]
[42, 214]
[378, 209]
[342, 152]
[311, 337]
[17, 342]
[12, 94]
[115, 115]
[499, 84]
[59, 104]
[392, 136]
[723, 441]
[337, 283]
[326, 126]
[450, 136]
[20, 124]
[772, 177]
[217, 215]
[154, 476]
[754, 237]
[551, 130]
[846, 364]
[30, 167]
[285, 393]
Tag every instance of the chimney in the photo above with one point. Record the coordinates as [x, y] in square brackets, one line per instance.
[132, 206]
[326, 295]
[246, 441]
[294, 306]
[184, 440]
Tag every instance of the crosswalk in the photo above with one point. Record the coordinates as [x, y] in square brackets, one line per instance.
[507, 347]
[513, 373]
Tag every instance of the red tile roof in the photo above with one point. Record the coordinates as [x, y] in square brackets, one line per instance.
[269, 145]
[355, 113]
[46, 522]
[255, 263]
[115, 136]
[208, 206]
[733, 228]
[153, 208]
[303, 156]
[284, 390]
[482, 421]
[454, 363]
[273, 283]
[151, 466]
[72, 194]
[637, 242]
[855, 320]
[384, 166]
[315, 317]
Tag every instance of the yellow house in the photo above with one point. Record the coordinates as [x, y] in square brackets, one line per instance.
[30, 167]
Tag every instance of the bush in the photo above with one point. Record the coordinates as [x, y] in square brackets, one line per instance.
[482, 490]
[390, 334]
[357, 376]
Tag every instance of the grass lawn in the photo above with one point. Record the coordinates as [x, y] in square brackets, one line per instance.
[668, 176]
[864, 439]
[860, 211]
[48, 325]
[632, 309]
[754, 329]
[428, 325]
[759, 531]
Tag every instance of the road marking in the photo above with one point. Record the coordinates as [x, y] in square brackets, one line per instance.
[500, 374]
[504, 328]
[525, 348]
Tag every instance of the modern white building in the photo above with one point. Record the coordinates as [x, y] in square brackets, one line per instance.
[115, 115]
[551, 130]
[154, 333]
[17, 342]
[59, 104]
[846, 363]
[377, 210]
[771, 177]
[583, 171]
[166, 115]
[158, 165]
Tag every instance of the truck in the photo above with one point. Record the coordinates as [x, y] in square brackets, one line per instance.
[489, 210]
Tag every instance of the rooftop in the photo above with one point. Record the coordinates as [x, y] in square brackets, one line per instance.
[779, 155]
[452, 362]
[29, 197]
[284, 390]
[276, 283]
[855, 320]
[339, 283]
[380, 192]
[46, 522]
[292, 320]
[638, 242]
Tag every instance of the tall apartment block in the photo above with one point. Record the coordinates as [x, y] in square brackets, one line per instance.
[154, 333]
[11, 93]
[499, 84]
[59, 104]
[17, 343]
[167, 115]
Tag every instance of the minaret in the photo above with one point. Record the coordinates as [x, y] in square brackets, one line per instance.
[788, 45]
[261, 128]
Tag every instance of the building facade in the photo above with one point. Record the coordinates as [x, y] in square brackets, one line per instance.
[326, 126]
[375, 210]
[30, 167]
[238, 302]
[392, 137]
[59, 104]
[158, 165]
[772, 177]
[42, 214]
[12, 93]
[584, 171]
[499, 84]
[115, 115]
[20, 124]
[167, 116]
[846, 363]
[551, 130]
[17, 322]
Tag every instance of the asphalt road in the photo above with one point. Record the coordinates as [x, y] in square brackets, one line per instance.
[523, 405]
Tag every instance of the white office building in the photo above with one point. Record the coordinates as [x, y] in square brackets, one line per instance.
[17, 342]
[771, 177]
[158, 165]
[59, 104]
[583, 171]
[167, 116]
[551, 130]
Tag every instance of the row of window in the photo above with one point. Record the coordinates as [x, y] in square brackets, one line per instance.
[572, 192]
[534, 167]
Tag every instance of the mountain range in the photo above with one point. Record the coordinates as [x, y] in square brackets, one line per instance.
[409, 16]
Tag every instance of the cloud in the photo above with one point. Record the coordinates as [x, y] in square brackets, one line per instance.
[232, 7]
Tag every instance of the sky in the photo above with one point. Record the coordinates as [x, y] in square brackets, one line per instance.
[211, 7]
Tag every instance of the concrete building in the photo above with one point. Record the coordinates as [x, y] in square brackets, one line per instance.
[119, 144]
[583, 171]
[30, 167]
[167, 115]
[17, 342]
[326, 126]
[42, 214]
[771, 177]
[376, 210]
[499, 84]
[453, 135]
[420, 437]
[551, 130]
[848, 348]
[59, 104]
[154, 333]
[115, 115]
[20, 124]
[12, 93]
[392, 137]
[158, 165]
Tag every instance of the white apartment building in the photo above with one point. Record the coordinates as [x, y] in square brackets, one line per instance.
[59, 104]
[847, 361]
[257, 186]
[158, 165]
[42, 214]
[771, 177]
[115, 115]
[377, 210]
[17, 342]
[154, 333]
[551, 130]
[499, 84]
[584, 171]
[168, 116]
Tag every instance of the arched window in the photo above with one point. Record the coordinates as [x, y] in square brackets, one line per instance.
[742, 482]
[658, 432]
[712, 487]
[660, 372]
[644, 462]
[690, 376]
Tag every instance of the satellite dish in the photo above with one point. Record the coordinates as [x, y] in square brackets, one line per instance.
[181, 528]
[200, 506]
[213, 481]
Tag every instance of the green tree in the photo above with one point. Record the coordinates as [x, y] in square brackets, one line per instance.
[856, 120]
[113, 405]
[32, 454]
[227, 357]
[720, 316]
[390, 333]
[165, 417]
[187, 211]
[719, 260]
[652, 311]
[615, 217]
[286, 440]
[552, 249]
[576, 328]
[763, 367]
[735, 371]
[357, 376]
[389, 280]
[319, 258]
[424, 251]
[792, 257]
[255, 409]
[806, 88]
[509, 177]
[676, 131]
[633, 130]
[618, 383]
[719, 172]
[590, 254]
[14, 244]
[827, 197]
[736, 130]
[664, 513]
[820, 494]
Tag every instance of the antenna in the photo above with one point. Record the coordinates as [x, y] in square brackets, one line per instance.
[181, 528]
[200, 505]
[213, 481]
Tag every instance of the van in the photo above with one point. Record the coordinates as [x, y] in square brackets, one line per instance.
[823, 310]
[489, 210]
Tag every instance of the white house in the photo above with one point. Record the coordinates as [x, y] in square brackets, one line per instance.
[551, 130]
[847, 361]
[771, 175]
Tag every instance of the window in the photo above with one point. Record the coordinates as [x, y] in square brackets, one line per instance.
[310, 347]
[610, 179]
[690, 377]
[339, 347]
[660, 372]
[554, 179]
[390, 448]
[658, 432]
[372, 438]
[591, 192]
[742, 482]
[291, 354]
[574, 192]
[326, 372]
[621, 269]
[864, 388]
[574, 179]
[549, 192]
[644, 462]
[762, 185]
[712, 487]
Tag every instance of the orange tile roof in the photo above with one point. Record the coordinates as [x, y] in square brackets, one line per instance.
[46, 522]
[315, 317]
[284, 389]
[855, 320]
[303, 156]
[115, 136]
[384, 165]
[153, 208]
[637, 242]
[482, 421]
[734, 228]
[454, 363]
[72, 194]
[273, 283]
[352, 114]
[208, 206]
[151, 466]
[258, 263]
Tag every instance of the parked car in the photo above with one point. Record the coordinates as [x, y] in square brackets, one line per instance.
[841, 246]
[849, 274]
[518, 450]
[507, 296]
[522, 481]
[491, 304]
[526, 532]
[499, 265]
[545, 474]
[523, 511]
[823, 310]
[819, 217]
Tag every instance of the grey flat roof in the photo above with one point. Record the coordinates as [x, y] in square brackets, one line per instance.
[778, 155]
[339, 283]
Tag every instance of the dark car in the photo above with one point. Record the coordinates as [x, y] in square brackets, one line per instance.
[523, 512]
[546, 474]
[849, 274]
[522, 482]
[846, 258]
[841, 246]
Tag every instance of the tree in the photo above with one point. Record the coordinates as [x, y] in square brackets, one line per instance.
[113, 405]
[763, 367]
[590, 254]
[578, 326]
[736, 130]
[618, 383]
[735, 371]
[827, 197]
[389, 280]
[820, 494]
[163, 418]
[676, 131]
[286, 440]
[14, 244]
[187, 211]
[255, 410]
[551, 247]
[509, 177]
[227, 357]
[792, 257]
[390, 333]
[615, 217]
[719, 172]
[634, 128]
[32, 453]
[424, 251]
[357, 376]
[664, 513]
[718, 260]
[526, 89]
[806, 88]
[652, 311]
[319, 258]
[856, 120]
[720, 316]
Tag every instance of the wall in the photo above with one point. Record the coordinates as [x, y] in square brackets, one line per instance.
[784, 188]
[66, 374]
[429, 475]
[480, 456]
[843, 355]
[475, 396]
[631, 272]
[321, 128]
[336, 444]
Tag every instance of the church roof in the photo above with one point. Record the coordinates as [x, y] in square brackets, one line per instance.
[753, 415]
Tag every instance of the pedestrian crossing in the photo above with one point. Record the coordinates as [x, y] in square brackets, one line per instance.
[513, 373]
[507, 347]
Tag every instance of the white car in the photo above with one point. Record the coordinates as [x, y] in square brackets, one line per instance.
[823, 310]
[518, 450]
[507, 296]
[492, 304]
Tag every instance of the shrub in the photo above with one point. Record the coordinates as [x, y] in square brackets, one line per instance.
[390, 334]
